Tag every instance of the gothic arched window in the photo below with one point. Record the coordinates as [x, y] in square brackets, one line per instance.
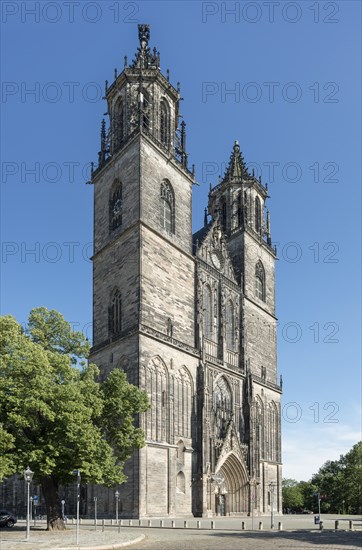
[164, 124]
[260, 281]
[145, 102]
[240, 209]
[157, 387]
[207, 303]
[230, 325]
[245, 207]
[115, 313]
[257, 215]
[115, 206]
[118, 124]
[223, 213]
[167, 207]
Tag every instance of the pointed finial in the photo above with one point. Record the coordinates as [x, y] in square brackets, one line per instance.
[168, 75]
[125, 61]
[178, 87]
[115, 73]
[205, 218]
[260, 178]
[92, 169]
[266, 186]
[193, 170]
[210, 187]
[106, 86]
[253, 173]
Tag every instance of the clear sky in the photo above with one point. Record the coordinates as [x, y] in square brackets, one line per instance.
[281, 77]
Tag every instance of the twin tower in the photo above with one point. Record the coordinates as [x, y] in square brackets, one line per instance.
[189, 318]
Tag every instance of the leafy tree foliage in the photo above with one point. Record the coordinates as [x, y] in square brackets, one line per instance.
[339, 483]
[292, 494]
[56, 415]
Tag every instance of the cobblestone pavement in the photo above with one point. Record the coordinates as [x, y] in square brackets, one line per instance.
[158, 539]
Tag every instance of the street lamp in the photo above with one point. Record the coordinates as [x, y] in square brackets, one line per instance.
[95, 512]
[77, 473]
[271, 489]
[28, 476]
[62, 502]
[116, 494]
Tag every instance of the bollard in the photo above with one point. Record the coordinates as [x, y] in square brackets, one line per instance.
[173, 524]
[212, 525]
[130, 523]
[119, 526]
[185, 524]
[243, 525]
[336, 525]
[111, 521]
[161, 522]
[260, 525]
[139, 523]
[72, 521]
[321, 525]
[280, 526]
[198, 524]
[350, 525]
[149, 523]
[103, 525]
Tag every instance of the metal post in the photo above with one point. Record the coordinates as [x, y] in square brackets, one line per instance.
[116, 494]
[271, 488]
[77, 473]
[62, 503]
[28, 511]
[95, 512]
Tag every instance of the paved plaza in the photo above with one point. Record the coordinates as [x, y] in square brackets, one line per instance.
[298, 532]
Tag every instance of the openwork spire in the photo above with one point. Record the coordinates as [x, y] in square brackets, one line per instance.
[144, 58]
[237, 168]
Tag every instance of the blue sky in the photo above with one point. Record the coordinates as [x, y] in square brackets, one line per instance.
[294, 68]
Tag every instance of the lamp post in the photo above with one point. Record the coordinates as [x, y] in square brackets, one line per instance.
[28, 476]
[116, 494]
[77, 473]
[95, 512]
[271, 489]
[62, 502]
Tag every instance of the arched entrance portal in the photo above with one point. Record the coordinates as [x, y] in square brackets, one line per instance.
[233, 493]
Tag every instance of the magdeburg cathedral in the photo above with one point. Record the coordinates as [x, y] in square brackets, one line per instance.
[189, 318]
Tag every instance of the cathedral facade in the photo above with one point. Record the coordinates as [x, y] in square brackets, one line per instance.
[189, 318]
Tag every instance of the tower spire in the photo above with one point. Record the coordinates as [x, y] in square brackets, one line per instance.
[237, 167]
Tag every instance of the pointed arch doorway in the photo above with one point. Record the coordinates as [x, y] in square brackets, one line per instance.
[232, 494]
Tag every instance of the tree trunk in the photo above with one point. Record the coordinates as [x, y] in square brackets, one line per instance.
[53, 505]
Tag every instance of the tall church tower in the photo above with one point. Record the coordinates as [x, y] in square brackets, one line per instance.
[143, 276]
[190, 319]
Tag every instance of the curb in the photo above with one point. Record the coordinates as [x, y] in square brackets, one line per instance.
[106, 547]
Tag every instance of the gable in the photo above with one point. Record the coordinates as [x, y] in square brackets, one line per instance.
[211, 247]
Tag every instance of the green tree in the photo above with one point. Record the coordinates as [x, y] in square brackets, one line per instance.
[339, 482]
[292, 494]
[56, 414]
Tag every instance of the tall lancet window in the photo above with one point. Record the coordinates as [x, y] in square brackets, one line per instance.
[257, 215]
[115, 313]
[145, 105]
[118, 124]
[164, 124]
[260, 281]
[230, 326]
[240, 209]
[223, 213]
[167, 207]
[115, 206]
[207, 306]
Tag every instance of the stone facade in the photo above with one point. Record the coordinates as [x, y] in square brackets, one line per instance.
[189, 318]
